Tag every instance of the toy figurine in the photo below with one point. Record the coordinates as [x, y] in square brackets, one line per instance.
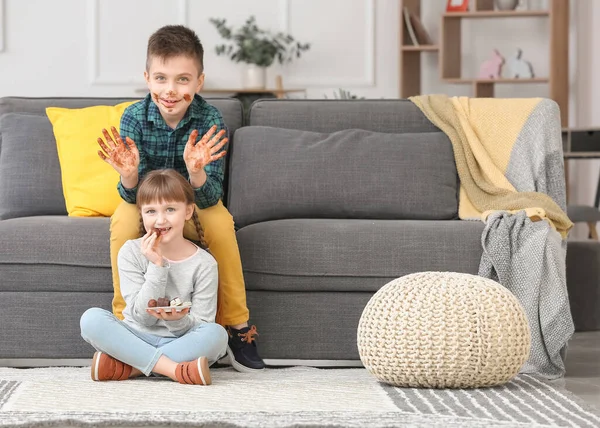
[492, 68]
[518, 68]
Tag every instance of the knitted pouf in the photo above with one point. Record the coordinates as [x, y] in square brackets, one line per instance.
[443, 330]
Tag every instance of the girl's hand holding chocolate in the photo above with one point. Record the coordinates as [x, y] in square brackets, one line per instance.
[151, 249]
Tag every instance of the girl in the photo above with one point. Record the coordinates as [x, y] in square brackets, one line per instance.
[181, 345]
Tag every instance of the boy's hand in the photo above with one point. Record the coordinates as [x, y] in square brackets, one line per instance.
[151, 249]
[198, 155]
[125, 159]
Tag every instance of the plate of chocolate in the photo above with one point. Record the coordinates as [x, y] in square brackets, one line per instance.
[167, 305]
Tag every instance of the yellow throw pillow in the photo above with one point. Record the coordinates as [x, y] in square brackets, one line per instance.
[89, 183]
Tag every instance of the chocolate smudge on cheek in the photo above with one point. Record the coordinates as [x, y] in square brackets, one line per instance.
[155, 96]
[187, 97]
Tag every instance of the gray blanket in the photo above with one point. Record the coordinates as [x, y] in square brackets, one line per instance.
[528, 257]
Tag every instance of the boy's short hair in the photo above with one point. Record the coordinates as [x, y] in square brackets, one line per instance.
[174, 40]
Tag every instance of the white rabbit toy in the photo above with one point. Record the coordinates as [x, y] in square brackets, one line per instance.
[518, 68]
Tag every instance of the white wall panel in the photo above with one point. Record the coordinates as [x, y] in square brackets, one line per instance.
[97, 47]
[2, 25]
[118, 34]
[220, 71]
[44, 48]
[342, 35]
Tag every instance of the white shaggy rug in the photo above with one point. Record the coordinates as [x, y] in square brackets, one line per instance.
[285, 397]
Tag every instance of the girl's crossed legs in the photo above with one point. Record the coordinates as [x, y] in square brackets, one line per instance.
[148, 353]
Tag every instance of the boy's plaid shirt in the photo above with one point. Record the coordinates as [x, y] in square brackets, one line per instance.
[161, 147]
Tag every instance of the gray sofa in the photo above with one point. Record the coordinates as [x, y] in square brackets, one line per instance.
[332, 199]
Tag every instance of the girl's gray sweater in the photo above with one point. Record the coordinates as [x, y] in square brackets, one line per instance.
[194, 279]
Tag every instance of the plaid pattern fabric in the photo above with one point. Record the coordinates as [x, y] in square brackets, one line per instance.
[162, 147]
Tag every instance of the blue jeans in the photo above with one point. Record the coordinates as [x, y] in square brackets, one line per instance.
[108, 334]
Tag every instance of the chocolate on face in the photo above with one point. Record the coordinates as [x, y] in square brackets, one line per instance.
[156, 97]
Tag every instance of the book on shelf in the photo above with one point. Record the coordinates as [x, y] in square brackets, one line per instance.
[416, 31]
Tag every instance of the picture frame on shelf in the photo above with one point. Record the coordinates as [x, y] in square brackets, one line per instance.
[457, 6]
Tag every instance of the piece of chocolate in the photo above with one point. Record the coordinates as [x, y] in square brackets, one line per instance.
[163, 301]
[175, 302]
[152, 303]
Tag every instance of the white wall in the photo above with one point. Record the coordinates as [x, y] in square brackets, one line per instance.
[97, 48]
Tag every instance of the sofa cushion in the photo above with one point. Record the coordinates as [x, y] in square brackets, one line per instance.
[60, 240]
[46, 324]
[353, 255]
[89, 183]
[29, 168]
[50, 252]
[346, 174]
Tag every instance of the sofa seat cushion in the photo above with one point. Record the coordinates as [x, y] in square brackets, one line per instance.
[353, 255]
[55, 253]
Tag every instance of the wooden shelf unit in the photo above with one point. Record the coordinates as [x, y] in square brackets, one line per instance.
[410, 55]
[501, 80]
[497, 14]
[413, 48]
[449, 50]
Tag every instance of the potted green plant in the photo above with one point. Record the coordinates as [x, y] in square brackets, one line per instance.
[257, 48]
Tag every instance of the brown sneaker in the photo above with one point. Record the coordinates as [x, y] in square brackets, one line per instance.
[194, 372]
[105, 367]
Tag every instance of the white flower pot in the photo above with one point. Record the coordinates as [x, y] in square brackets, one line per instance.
[254, 77]
[506, 4]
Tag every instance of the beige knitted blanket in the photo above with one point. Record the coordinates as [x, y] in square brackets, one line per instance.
[508, 154]
[484, 133]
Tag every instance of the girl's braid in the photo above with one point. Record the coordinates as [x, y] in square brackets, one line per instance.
[199, 230]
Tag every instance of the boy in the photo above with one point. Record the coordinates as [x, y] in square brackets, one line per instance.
[160, 132]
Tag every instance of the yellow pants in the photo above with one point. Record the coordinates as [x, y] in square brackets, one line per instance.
[219, 234]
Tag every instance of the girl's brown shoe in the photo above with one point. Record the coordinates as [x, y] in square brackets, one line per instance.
[194, 372]
[105, 367]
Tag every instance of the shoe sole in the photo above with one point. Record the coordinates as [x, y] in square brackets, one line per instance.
[204, 371]
[95, 364]
[240, 367]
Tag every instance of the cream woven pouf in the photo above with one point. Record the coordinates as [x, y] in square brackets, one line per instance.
[443, 330]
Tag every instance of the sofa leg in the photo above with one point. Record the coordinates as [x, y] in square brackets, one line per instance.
[593, 232]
